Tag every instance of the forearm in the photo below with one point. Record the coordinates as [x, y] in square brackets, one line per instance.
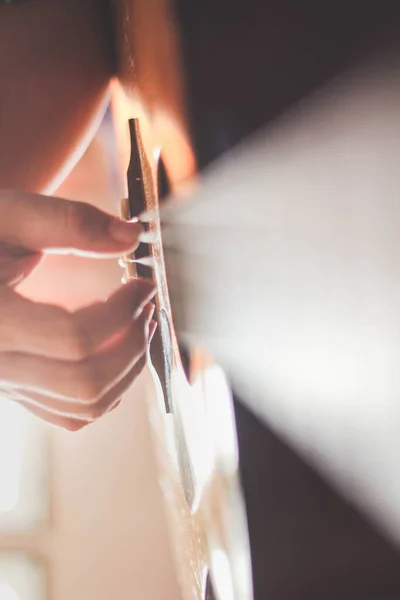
[55, 64]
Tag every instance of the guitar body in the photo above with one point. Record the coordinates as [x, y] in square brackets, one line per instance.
[193, 420]
[201, 77]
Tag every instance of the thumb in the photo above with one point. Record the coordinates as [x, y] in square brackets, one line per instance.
[42, 223]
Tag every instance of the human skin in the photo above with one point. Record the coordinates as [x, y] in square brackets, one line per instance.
[55, 65]
[66, 367]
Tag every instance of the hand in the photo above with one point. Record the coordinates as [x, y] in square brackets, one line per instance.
[67, 368]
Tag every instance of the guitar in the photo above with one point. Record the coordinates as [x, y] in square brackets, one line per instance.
[193, 422]
[194, 80]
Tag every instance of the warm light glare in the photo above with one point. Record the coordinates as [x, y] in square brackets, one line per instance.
[7, 592]
[11, 450]
[221, 573]
[221, 419]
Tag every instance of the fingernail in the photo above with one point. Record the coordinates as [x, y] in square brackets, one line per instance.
[148, 237]
[115, 405]
[125, 232]
[141, 298]
[148, 311]
[148, 290]
[152, 329]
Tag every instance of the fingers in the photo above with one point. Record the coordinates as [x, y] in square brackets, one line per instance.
[70, 424]
[16, 264]
[117, 311]
[76, 415]
[43, 223]
[50, 331]
[85, 380]
[73, 415]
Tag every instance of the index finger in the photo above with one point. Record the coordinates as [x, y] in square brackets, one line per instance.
[43, 223]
